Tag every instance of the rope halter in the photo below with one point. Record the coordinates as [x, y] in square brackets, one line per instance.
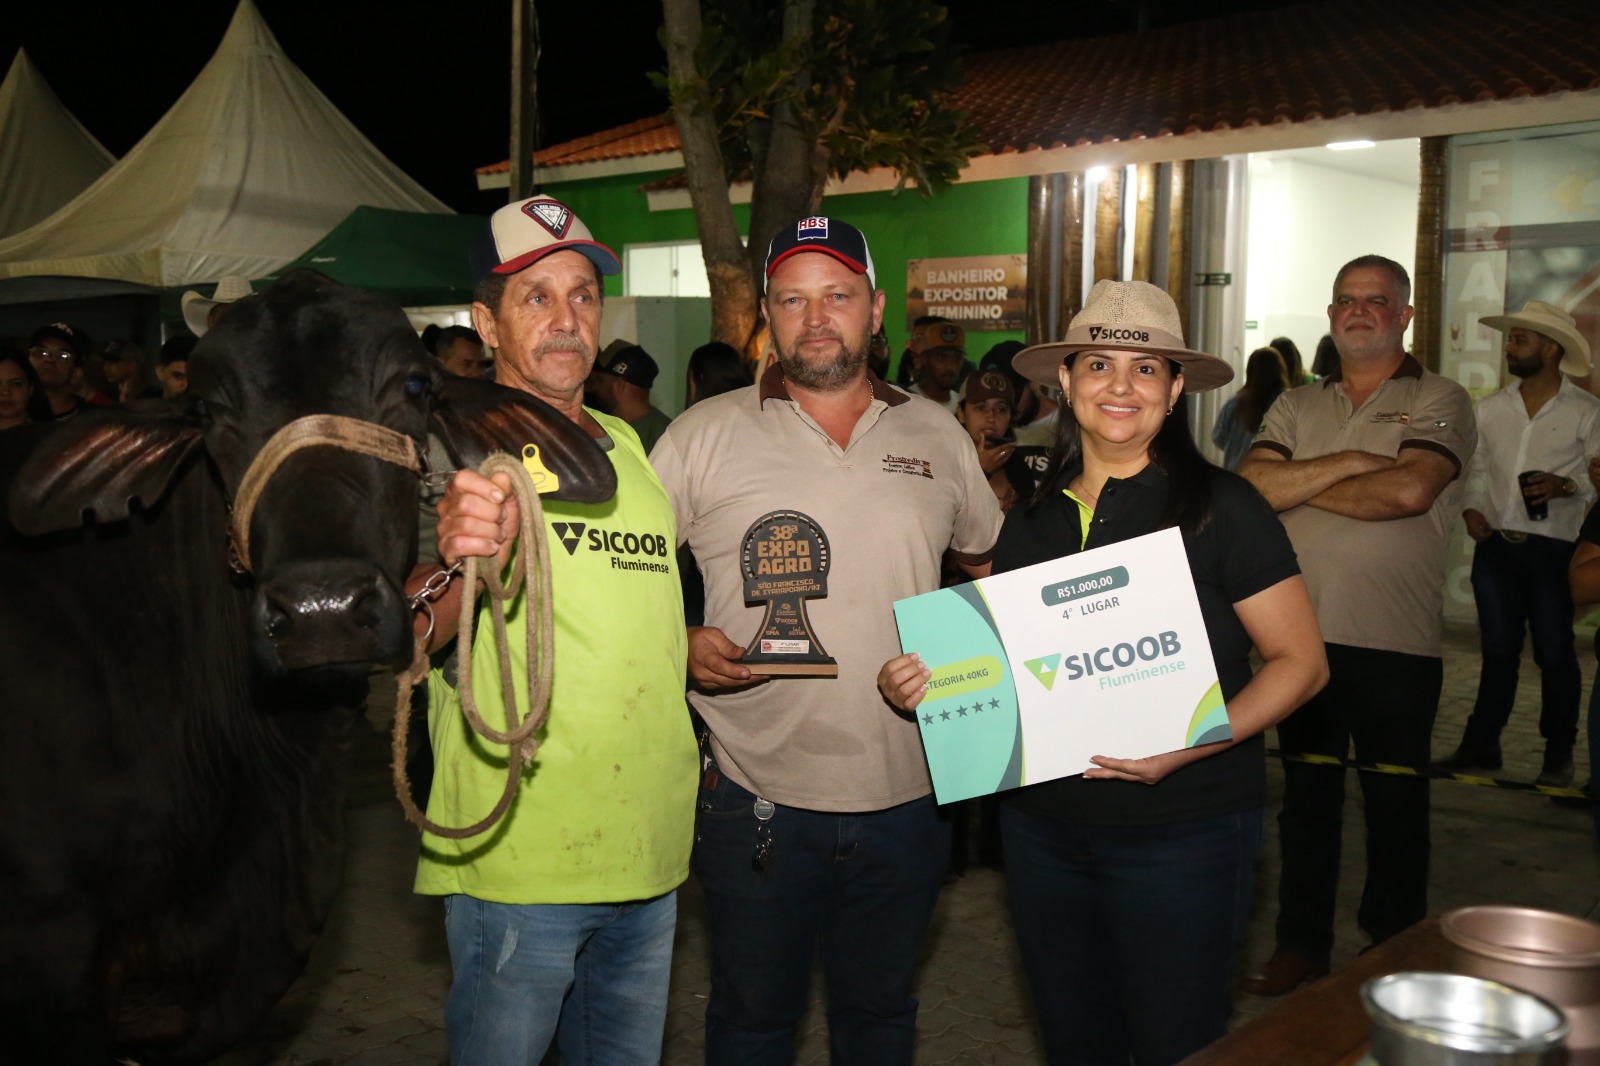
[330, 431]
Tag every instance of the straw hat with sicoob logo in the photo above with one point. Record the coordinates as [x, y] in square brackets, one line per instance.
[1125, 316]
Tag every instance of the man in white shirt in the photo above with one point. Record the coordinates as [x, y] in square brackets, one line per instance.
[1526, 497]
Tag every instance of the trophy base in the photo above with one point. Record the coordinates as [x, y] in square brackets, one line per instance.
[792, 669]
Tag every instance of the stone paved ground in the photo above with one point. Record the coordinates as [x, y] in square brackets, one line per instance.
[373, 991]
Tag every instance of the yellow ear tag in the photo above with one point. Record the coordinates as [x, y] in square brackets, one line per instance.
[544, 479]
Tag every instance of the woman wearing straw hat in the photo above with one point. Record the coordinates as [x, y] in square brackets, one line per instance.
[1130, 885]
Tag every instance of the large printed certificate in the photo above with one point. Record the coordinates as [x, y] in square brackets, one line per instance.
[1034, 671]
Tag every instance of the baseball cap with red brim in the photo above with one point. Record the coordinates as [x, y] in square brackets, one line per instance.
[522, 233]
[826, 235]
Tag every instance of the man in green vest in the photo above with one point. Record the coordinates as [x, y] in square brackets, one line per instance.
[560, 919]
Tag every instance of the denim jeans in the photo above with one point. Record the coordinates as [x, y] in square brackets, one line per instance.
[1521, 586]
[1128, 933]
[1384, 703]
[863, 884]
[1592, 728]
[591, 976]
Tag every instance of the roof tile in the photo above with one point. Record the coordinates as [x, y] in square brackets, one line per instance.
[647, 136]
[1292, 64]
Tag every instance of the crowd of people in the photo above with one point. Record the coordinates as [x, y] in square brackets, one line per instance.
[62, 372]
[812, 824]
[803, 805]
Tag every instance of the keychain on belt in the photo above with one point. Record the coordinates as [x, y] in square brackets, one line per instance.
[764, 810]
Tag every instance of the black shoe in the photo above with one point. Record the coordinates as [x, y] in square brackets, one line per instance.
[1470, 758]
[1556, 771]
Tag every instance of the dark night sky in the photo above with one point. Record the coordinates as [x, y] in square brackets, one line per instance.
[427, 82]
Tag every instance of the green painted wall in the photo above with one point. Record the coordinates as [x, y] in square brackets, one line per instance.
[619, 214]
[980, 218]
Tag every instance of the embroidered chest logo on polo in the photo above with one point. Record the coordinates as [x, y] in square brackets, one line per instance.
[907, 464]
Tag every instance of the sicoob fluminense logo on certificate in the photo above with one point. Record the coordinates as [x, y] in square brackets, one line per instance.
[1100, 653]
[785, 561]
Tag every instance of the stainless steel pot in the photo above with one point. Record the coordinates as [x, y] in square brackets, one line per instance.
[1446, 1019]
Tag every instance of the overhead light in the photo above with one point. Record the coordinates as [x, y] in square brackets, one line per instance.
[1097, 174]
[1345, 146]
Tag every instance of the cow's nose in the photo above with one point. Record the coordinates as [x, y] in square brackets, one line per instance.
[329, 612]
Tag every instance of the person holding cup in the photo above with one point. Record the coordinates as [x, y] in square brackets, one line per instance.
[1526, 498]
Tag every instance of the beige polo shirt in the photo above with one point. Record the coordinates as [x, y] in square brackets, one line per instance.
[1375, 584]
[906, 488]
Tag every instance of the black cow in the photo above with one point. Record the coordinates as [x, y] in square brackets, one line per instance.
[172, 734]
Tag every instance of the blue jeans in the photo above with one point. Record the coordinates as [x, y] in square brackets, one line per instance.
[591, 976]
[1128, 933]
[1521, 586]
[864, 884]
[1592, 726]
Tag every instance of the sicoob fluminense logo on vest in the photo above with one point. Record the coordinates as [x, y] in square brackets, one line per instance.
[624, 547]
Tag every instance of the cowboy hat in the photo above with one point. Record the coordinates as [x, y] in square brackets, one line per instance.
[1125, 316]
[1550, 321]
[196, 308]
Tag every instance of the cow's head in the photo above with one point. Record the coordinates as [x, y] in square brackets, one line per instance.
[333, 531]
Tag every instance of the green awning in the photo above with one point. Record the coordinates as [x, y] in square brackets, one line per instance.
[415, 258]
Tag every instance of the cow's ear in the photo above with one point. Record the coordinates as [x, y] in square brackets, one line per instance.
[102, 462]
[475, 418]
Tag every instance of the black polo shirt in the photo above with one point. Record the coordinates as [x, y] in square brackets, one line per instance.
[1240, 551]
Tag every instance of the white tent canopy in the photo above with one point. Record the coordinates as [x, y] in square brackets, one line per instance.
[46, 156]
[249, 168]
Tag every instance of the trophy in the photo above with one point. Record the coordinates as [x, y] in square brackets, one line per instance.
[785, 562]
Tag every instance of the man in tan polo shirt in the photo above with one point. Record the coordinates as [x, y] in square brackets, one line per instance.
[816, 819]
[1364, 470]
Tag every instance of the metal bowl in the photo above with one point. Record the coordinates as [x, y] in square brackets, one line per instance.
[1444, 1019]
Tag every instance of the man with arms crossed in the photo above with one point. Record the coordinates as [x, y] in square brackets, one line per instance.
[560, 919]
[1363, 468]
[815, 816]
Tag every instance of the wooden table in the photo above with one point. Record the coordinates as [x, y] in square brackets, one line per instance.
[1324, 1024]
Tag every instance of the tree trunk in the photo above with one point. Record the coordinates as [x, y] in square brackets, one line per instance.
[733, 292]
[785, 185]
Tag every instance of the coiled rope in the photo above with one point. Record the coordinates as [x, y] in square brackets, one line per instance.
[521, 733]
